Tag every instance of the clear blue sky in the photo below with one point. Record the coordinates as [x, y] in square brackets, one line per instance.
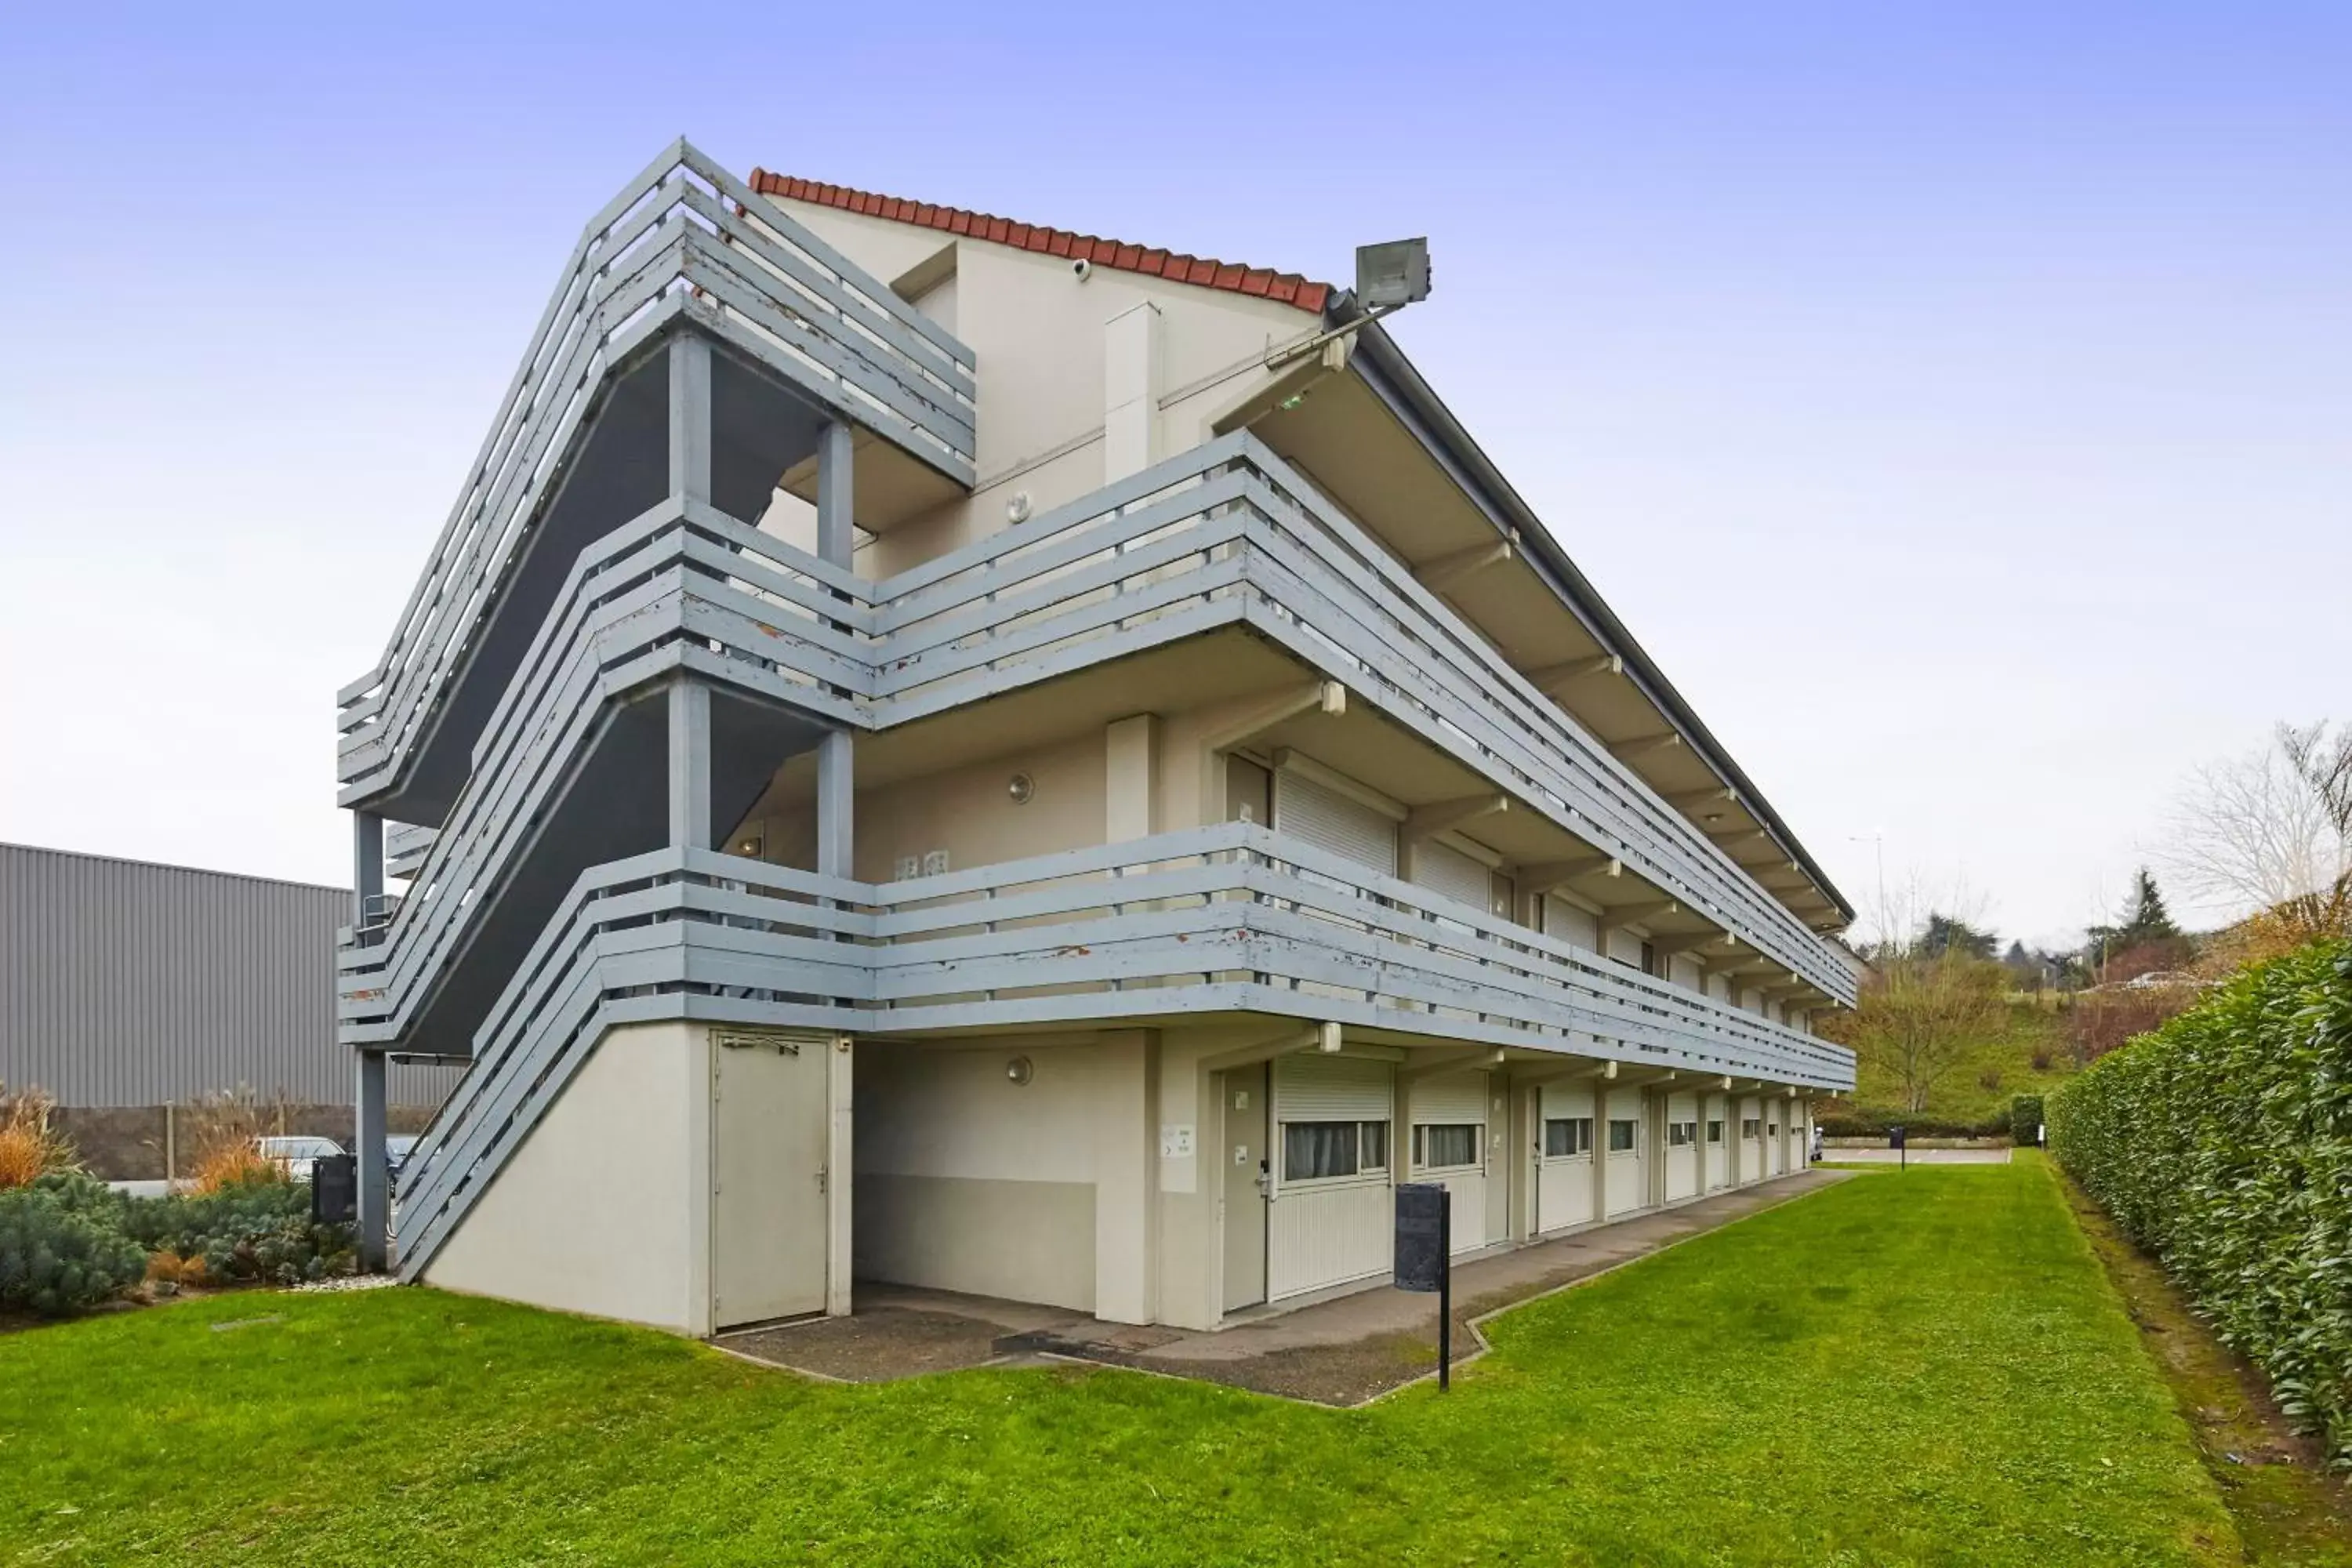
[1957, 400]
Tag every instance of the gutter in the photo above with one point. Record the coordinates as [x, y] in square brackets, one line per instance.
[1393, 378]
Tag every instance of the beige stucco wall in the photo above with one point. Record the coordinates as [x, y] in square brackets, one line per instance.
[605, 1207]
[968, 1180]
[1048, 377]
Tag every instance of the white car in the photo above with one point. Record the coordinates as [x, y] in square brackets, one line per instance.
[296, 1153]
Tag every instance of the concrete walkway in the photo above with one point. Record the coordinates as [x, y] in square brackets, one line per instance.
[1342, 1351]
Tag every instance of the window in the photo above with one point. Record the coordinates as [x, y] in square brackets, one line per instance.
[1312, 1150]
[1751, 1127]
[1649, 958]
[1621, 1135]
[1445, 1144]
[1565, 1135]
[1714, 1131]
[1681, 1134]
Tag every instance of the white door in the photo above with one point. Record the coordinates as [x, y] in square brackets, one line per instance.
[1450, 1146]
[1564, 1157]
[1247, 1179]
[1332, 1218]
[769, 1118]
[1625, 1145]
[1682, 1147]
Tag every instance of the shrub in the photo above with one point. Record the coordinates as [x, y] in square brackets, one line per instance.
[1858, 1121]
[56, 1256]
[28, 1148]
[257, 1231]
[2223, 1145]
[2026, 1116]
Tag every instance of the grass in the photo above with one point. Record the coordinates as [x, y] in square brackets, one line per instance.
[2288, 1509]
[1927, 1368]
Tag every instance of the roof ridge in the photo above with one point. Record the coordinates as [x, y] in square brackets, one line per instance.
[1259, 282]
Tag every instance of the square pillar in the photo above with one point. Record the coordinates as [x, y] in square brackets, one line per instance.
[367, 865]
[1127, 1159]
[374, 1174]
[689, 765]
[836, 534]
[689, 418]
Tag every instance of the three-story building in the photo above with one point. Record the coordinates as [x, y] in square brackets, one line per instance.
[943, 751]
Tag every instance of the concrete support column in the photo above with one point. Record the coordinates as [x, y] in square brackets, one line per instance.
[840, 1183]
[1131, 778]
[374, 1174]
[367, 865]
[837, 535]
[1599, 1149]
[689, 765]
[1127, 1162]
[689, 418]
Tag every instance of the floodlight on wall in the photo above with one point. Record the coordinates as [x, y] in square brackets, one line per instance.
[1388, 277]
[1020, 789]
[1019, 1070]
[1393, 274]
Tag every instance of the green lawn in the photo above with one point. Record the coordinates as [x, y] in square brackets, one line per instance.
[1918, 1368]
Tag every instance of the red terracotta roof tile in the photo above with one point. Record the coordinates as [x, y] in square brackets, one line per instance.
[1285, 288]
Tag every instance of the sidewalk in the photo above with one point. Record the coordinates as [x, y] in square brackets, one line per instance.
[1341, 1352]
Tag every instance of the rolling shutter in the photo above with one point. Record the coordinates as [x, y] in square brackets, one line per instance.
[1312, 1087]
[1445, 869]
[1331, 821]
[1569, 924]
[1567, 1099]
[1451, 1097]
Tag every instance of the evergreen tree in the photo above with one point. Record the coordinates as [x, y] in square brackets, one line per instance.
[1947, 933]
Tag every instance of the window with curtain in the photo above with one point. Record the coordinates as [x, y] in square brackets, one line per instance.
[1441, 1145]
[1682, 1134]
[1565, 1135]
[1751, 1127]
[1312, 1150]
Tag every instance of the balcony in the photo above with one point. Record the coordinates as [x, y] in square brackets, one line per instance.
[1229, 919]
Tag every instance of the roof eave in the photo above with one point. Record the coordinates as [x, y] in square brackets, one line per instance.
[1425, 414]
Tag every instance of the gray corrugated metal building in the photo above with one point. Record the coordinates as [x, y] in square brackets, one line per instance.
[124, 982]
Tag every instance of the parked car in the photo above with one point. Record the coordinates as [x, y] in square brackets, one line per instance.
[397, 1148]
[296, 1153]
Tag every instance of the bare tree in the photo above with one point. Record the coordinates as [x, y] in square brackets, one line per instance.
[1919, 1016]
[2270, 834]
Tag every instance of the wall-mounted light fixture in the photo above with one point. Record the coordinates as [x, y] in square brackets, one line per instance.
[1020, 1070]
[1020, 789]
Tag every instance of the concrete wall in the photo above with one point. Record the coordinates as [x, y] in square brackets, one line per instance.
[605, 1207]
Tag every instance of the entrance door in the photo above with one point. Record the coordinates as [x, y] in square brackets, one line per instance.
[768, 1126]
[1244, 1157]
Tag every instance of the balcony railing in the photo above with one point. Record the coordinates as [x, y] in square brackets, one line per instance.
[1229, 919]
[684, 238]
[1226, 535]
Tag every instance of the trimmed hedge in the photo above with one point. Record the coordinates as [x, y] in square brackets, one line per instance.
[2223, 1145]
[2026, 1115]
[1857, 1123]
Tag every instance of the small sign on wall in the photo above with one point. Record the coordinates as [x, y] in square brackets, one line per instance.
[1176, 1141]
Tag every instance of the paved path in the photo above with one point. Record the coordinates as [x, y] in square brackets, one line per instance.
[1344, 1350]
